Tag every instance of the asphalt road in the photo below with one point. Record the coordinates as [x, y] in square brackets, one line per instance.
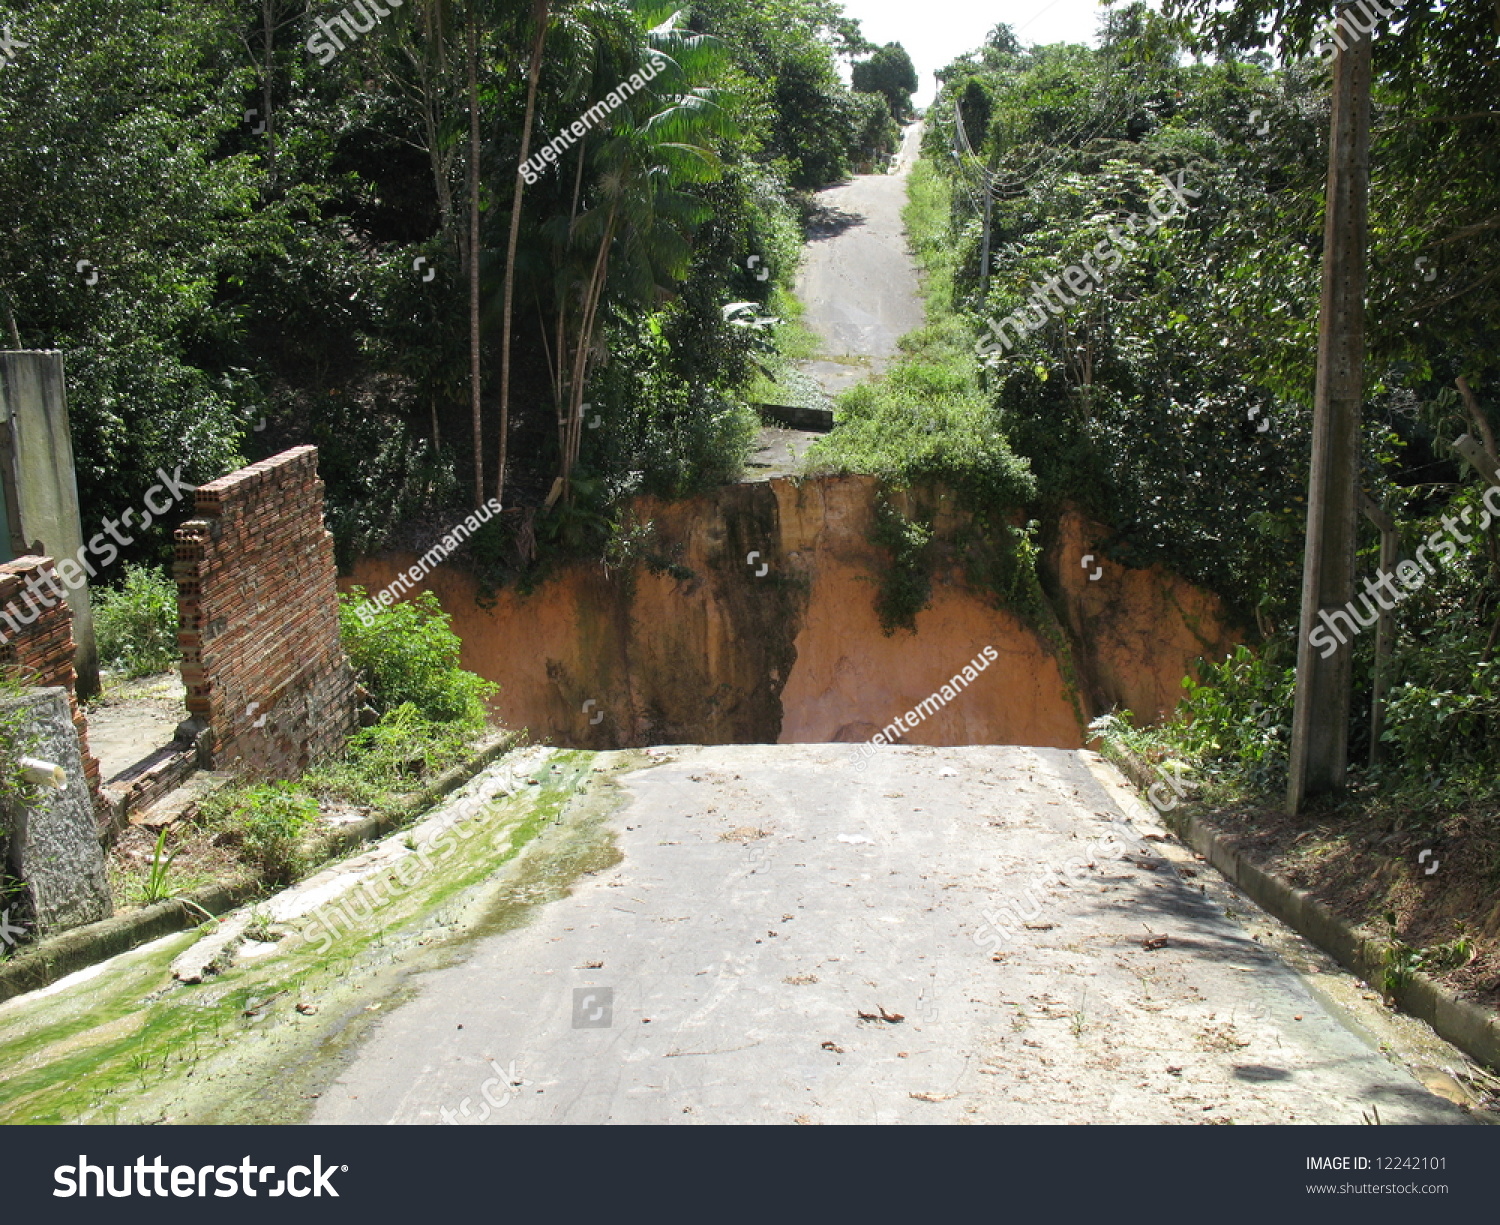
[776, 911]
[857, 280]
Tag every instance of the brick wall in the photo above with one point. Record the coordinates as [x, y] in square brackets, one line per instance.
[259, 619]
[41, 653]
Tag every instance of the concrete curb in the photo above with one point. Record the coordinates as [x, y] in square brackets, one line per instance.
[44, 963]
[1471, 1028]
[357, 833]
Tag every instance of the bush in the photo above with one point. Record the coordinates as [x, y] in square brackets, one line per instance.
[267, 820]
[16, 741]
[389, 757]
[1237, 720]
[408, 654]
[136, 626]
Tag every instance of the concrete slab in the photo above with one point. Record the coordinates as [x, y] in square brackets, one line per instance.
[133, 719]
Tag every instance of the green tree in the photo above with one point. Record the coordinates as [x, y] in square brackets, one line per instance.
[891, 74]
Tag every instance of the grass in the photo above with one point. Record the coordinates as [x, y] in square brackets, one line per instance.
[266, 823]
[777, 379]
[270, 825]
[157, 885]
[926, 215]
[386, 760]
[1401, 960]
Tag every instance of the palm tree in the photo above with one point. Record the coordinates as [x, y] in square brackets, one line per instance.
[641, 220]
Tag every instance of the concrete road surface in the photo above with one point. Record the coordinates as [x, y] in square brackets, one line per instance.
[857, 279]
[788, 939]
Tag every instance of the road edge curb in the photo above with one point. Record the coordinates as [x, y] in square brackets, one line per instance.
[1474, 1030]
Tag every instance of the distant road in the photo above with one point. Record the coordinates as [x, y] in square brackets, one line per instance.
[858, 281]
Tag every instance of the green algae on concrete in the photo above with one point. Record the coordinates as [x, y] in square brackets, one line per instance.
[126, 1043]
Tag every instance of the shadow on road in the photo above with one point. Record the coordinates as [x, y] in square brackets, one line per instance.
[825, 221]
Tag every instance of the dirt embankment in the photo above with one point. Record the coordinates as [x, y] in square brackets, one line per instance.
[774, 638]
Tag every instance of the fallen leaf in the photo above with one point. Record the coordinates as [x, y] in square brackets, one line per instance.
[893, 1018]
[932, 1097]
[1151, 943]
[830, 1046]
[308, 1009]
[592, 965]
[1039, 927]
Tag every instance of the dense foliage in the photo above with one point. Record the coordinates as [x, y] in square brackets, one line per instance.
[135, 625]
[247, 230]
[407, 655]
[1166, 387]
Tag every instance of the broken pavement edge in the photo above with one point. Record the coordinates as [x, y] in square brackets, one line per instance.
[43, 963]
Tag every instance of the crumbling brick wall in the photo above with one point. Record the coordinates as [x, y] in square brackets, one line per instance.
[41, 652]
[259, 628]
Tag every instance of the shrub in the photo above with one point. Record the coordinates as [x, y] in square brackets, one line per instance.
[408, 654]
[136, 626]
[267, 820]
[1238, 719]
[16, 741]
[389, 757]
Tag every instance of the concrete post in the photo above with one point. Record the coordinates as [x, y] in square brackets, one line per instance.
[1320, 722]
[40, 489]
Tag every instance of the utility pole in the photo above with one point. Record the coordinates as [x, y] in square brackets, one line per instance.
[962, 147]
[1320, 722]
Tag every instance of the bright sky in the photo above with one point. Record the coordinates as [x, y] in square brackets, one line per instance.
[935, 32]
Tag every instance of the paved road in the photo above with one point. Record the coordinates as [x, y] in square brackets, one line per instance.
[770, 895]
[857, 280]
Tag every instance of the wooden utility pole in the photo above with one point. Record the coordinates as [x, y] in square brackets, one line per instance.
[1320, 722]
